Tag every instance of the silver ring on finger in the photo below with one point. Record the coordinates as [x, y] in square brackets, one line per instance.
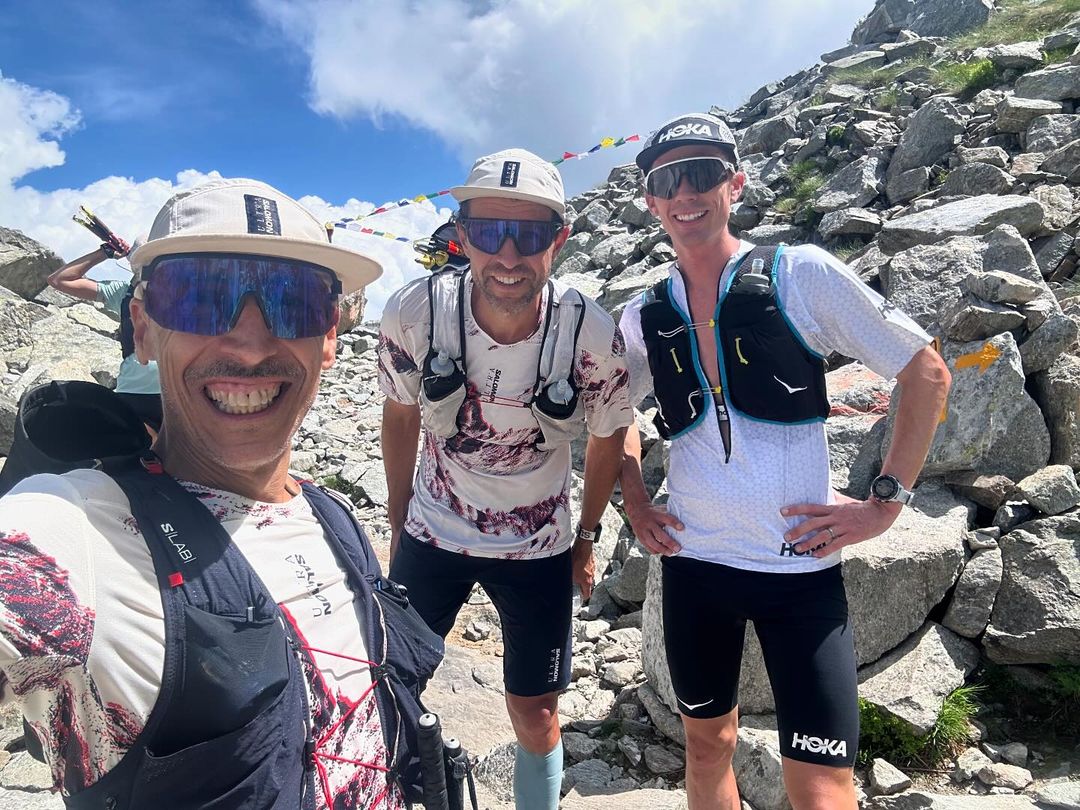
[832, 534]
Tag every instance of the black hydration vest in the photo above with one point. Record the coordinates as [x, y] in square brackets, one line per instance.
[231, 724]
[766, 371]
[127, 328]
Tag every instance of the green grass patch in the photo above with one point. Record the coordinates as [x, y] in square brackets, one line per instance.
[336, 482]
[886, 101]
[1050, 713]
[870, 78]
[846, 248]
[1066, 677]
[1019, 21]
[835, 134]
[966, 78]
[787, 205]
[1055, 56]
[885, 736]
[804, 178]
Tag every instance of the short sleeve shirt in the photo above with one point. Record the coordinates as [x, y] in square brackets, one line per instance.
[489, 491]
[731, 510]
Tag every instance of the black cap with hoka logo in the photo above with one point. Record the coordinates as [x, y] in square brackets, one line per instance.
[686, 130]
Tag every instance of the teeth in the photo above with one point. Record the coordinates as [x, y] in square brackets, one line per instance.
[241, 402]
[507, 279]
[689, 217]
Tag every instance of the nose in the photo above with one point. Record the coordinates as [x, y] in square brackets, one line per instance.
[250, 333]
[508, 251]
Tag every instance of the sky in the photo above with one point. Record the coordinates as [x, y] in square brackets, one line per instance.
[347, 105]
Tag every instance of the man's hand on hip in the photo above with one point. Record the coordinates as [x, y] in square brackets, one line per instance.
[651, 524]
[830, 527]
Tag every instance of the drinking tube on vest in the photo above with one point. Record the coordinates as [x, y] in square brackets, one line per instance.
[432, 769]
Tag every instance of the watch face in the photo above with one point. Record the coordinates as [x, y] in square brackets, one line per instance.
[885, 488]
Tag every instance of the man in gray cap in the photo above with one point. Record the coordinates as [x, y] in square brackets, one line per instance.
[732, 346]
[194, 627]
[502, 367]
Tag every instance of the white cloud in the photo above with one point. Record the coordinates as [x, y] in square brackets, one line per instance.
[34, 121]
[551, 75]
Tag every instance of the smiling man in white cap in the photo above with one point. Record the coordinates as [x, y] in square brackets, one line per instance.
[732, 345]
[502, 367]
[194, 627]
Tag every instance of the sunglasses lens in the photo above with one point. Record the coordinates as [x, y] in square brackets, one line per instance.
[529, 236]
[704, 174]
[202, 294]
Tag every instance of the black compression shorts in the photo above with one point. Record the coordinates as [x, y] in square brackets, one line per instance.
[533, 598]
[806, 638]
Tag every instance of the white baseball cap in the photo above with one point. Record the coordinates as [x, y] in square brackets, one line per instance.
[246, 216]
[514, 174]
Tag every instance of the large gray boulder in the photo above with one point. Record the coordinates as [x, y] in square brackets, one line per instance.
[853, 186]
[976, 590]
[1052, 84]
[928, 18]
[1036, 618]
[977, 178]
[972, 216]
[1015, 113]
[1058, 392]
[766, 136]
[926, 280]
[929, 136]
[1049, 132]
[65, 349]
[1064, 161]
[992, 426]
[912, 681]
[25, 264]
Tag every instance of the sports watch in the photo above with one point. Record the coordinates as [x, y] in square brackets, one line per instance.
[888, 489]
[589, 536]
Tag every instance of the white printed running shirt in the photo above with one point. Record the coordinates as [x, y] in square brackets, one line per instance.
[488, 490]
[82, 632]
[731, 512]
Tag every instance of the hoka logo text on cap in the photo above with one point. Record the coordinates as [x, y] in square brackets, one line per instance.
[510, 173]
[262, 215]
[682, 130]
[818, 745]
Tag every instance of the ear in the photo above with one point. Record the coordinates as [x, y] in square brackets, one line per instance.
[329, 348]
[738, 182]
[145, 344]
[650, 203]
[560, 240]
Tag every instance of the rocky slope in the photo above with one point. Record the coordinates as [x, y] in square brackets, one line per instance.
[946, 171]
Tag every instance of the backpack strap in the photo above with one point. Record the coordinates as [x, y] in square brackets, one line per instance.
[770, 258]
[558, 350]
[446, 315]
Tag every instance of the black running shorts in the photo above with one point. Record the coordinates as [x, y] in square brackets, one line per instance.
[532, 597]
[802, 623]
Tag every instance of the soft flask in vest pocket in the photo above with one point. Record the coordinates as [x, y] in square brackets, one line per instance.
[556, 403]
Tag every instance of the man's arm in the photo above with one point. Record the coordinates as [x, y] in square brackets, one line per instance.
[603, 459]
[923, 388]
[400, 438]
[70, 279]
[649, 522]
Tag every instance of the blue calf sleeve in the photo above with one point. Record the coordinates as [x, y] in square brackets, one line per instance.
[538, 778]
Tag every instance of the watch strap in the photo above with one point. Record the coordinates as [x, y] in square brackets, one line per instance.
[587, 535]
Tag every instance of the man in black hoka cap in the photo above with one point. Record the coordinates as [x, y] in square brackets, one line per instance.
[732, 345]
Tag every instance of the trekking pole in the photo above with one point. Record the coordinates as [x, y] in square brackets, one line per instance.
[432, 769]
[457, 771]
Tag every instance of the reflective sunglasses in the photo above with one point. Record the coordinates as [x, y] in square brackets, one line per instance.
[704, 174]
[530, 236]
[204, 293]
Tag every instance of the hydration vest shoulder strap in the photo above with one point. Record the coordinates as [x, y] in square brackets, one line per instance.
[558, 350]
[769, 255]
[446, 314]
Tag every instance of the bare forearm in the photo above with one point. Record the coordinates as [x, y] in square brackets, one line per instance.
[400, 439]
[630, 479]
[603, 462]
[924, 387]
[70, 279]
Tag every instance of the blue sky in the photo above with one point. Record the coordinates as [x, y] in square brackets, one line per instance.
[348, 104]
